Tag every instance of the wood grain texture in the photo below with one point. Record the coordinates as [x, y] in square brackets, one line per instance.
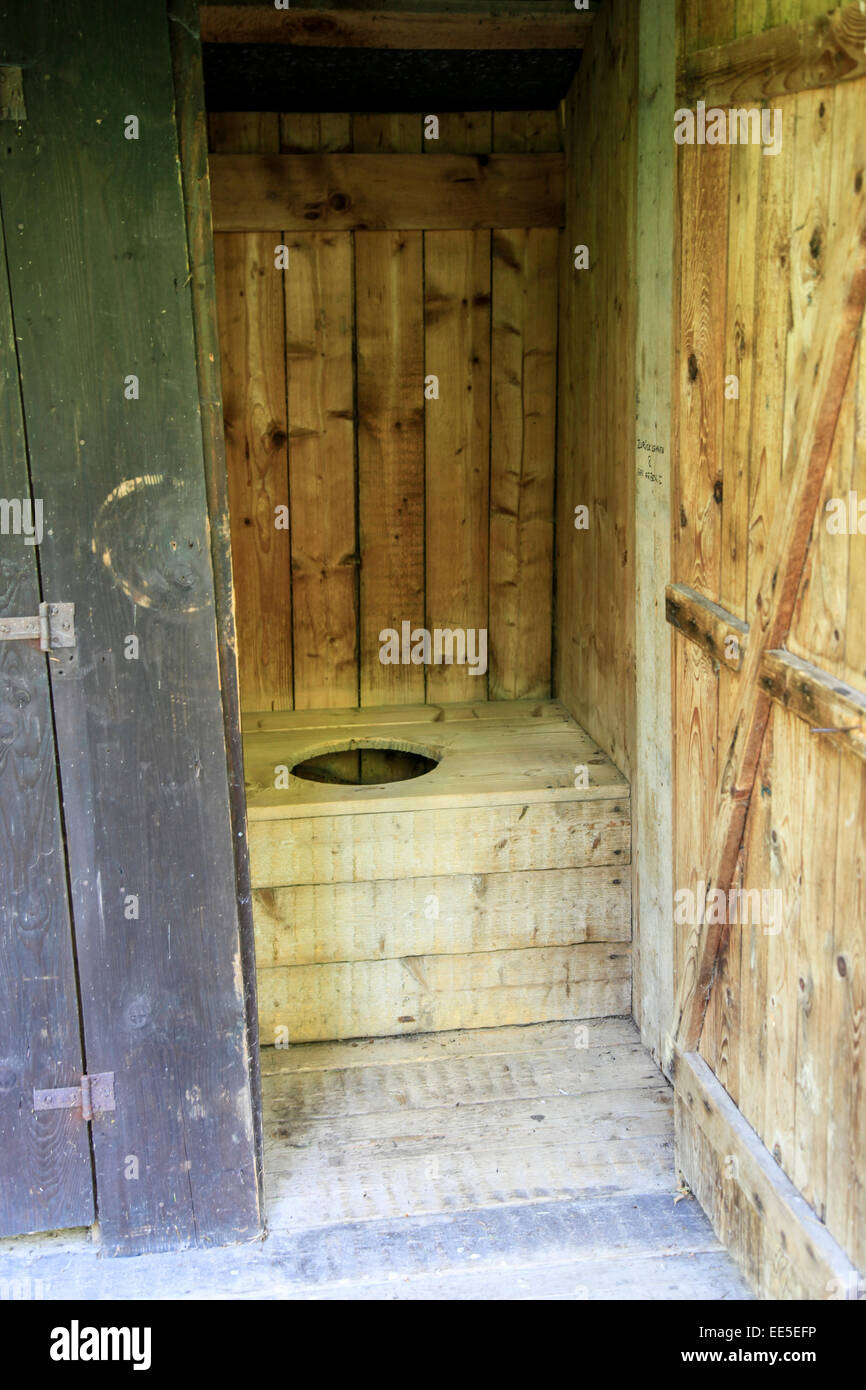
[653, 959]
[417, 1168]
[532, 753]
[523, 460]
[454, 914]
[721, 635]
[346, 192]
[424, 994]
[826, 368]
[594, 637]
[319, 292]
[387, 132]
[449, 530]
[417, 844]
[253, 367]
[784, 1249]
[389, 307]
[698, 493]
[527, 132]
[192, 133]
[360, 28]
[45, 1178]
[313, 132]
[783, 1014]
[785, 59]
[457, 447]
[141, 743]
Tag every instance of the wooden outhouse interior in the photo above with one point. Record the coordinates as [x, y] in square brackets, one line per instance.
[500, 436]
[389, 363]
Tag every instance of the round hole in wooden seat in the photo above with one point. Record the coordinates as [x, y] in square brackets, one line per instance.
[366, 765]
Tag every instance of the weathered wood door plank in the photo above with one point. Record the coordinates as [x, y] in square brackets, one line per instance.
[140, 736]
[45, 1175]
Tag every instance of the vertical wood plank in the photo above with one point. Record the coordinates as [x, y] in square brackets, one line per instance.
[462, 132]
[771, 257]
[704, 176]
[45, 1177]
[652, 831]
[252, 352]
[457, 444]
[595, 633]
[785, 874]
[846, 1097]
[311, 132]
[319, 353]
[389, 317]
[526, 132]
[457, 425]
[390, 338]
[192, 132]
[523, 449]
[389, 132]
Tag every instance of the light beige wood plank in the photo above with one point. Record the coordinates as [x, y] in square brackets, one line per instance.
[476, 712]
[440, 1083]
[538, 754]
[590, 1036]
[457, 449]
[792, 1255]
[418, 844]
[425, 916]
[523, 452]
[422, 994]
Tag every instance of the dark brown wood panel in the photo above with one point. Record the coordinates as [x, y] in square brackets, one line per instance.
[140, 737]
[45, 1177]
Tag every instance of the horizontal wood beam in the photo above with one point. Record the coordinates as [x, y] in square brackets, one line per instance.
[829, 706]
[755, 1210]
[385, 29]
[790, 58]
[401, 192]
[716, 631]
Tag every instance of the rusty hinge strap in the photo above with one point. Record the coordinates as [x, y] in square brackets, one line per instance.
[53, 625]
[94, 1095]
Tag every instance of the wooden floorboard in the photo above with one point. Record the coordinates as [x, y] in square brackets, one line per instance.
[510, 1163]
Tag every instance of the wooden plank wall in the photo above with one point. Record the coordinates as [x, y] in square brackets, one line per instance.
[594, 638]
[595, 573]
[439, 512]
[784, 1029]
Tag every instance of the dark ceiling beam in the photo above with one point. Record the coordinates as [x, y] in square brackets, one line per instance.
[464, 25]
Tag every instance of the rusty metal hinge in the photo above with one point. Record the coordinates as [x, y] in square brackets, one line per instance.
[54, 625]
[96, 1093]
